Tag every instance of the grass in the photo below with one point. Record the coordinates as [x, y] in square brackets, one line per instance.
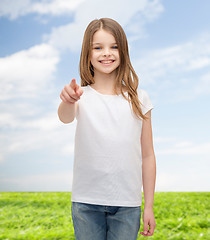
[47, 216]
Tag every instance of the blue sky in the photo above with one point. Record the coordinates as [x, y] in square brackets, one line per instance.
[40, 41]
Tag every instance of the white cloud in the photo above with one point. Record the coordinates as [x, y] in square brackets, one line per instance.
[55, 138]
[187, 181]
[70, 36]
[164, 139]
[186, 148]
[47, 122]
[27, 72]
[26, 88]
[14, 9]
[152, 9]
[60, 181]
[45, 133]
[203, 86]
[23, 121]
[56, 7]
[180, 71]
[1, 158]
[186, 57]
[183, 144]
[133, 15]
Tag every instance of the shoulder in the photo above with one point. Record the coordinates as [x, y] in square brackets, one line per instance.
[142, 94]
[84, 87]
[145, 100]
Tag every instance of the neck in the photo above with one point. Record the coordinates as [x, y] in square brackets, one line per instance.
[104, 81]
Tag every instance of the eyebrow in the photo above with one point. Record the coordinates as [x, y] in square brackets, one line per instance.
[101, 43]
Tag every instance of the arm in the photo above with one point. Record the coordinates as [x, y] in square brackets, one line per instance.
[69, 96]
[67, 112]
[148, 175]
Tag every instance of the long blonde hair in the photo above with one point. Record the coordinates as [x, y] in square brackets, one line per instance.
[126, 76]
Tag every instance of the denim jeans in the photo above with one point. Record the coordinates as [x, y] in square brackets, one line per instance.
[99, 222]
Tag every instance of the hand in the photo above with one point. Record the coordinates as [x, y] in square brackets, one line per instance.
[71, 92]
[148, 219]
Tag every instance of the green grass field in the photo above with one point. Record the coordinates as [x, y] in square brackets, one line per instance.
[47, 216]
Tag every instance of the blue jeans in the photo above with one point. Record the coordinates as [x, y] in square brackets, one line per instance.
[99, 222]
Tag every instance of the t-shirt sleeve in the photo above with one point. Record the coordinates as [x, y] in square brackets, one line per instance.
[146, 101]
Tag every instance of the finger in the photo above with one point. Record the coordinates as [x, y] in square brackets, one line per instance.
[145, 235]
[148, 235]
[79, 91]
[68, 98]
[150, 232]
[73, 83]
[70, 93]
[145, 228]
[75, 87]
[63, 99]
[74, 96]
[151, 229]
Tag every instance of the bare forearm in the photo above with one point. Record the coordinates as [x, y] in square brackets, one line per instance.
[66, 112]
[149, 178]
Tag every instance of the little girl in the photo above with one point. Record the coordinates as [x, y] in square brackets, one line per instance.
[113, 155]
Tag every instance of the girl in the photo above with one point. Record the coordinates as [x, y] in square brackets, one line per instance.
[113, 155]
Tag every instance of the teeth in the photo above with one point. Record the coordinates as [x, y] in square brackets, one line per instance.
[106, 61]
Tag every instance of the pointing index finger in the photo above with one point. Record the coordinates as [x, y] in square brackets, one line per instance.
[73, 83]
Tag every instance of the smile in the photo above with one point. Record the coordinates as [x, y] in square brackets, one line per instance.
[106, 61]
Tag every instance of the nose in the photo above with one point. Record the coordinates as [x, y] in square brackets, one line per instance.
[106, 52]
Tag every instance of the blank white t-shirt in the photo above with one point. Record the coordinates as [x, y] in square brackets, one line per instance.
[107, 154]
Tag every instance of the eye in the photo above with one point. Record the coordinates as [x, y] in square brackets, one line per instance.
[115, 47]
[97, 48]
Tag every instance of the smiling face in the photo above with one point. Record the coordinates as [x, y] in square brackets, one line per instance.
[104, 54]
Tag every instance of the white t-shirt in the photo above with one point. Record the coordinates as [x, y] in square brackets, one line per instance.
[107, 154]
